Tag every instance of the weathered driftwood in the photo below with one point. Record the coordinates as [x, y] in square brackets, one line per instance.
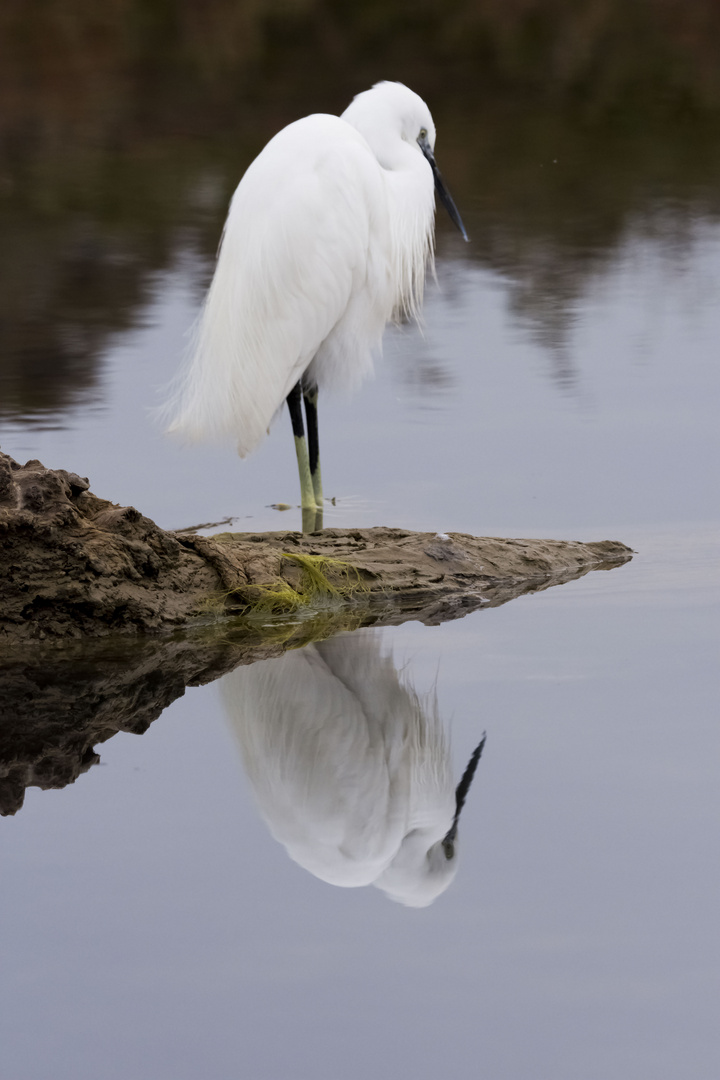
[72, 565]
[77, 568]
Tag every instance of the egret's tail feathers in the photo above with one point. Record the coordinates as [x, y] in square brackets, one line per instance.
[198, 413]
[232, 385]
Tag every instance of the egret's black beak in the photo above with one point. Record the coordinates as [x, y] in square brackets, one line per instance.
[442, 192]
[448, 841]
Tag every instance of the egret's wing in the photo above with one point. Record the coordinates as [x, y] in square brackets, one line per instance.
[294, 249]
[317, 766]
[422, 792]
[409, 724]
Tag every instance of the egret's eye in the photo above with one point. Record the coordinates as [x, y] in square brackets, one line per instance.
[423, 133]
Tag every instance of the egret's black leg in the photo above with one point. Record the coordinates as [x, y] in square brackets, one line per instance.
[310, 397]
[307, 494]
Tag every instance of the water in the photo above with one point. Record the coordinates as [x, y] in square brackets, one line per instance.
[566, 385]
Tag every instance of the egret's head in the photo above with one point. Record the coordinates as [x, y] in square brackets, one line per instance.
[426, 864]
[407, 113]
[391, 117]
[390, 111]
[418, 873]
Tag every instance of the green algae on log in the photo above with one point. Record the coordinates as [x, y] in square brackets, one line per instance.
[75, 565]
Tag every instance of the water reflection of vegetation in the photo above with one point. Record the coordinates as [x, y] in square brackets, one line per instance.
[83, 237]
[553, 200]
[126, 128]
[117, 68]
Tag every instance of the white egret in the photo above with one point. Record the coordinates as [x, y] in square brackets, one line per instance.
[326, 241]
[349, 767]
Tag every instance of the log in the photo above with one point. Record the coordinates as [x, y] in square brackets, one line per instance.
[75, 569]
[74, 565]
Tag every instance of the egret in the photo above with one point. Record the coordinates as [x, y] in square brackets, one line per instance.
[350, 767]
[326, 241]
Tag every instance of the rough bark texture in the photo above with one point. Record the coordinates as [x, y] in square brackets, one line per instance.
[77, 573]
[74, 565]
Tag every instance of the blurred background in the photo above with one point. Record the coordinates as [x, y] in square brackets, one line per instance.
[566, 384]
[124, 127]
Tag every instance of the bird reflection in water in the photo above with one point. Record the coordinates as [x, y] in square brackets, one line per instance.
[350, 767]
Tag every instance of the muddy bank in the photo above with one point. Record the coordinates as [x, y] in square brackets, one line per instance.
[75, 565]
[123, 616]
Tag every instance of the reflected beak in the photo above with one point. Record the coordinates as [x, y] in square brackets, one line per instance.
[461, 791]
[442, 192]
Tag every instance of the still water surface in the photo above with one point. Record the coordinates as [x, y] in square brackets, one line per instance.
[153, 928]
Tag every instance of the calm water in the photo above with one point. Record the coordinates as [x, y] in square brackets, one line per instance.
[565, 385]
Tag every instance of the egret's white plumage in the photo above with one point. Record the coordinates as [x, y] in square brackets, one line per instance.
[349, 767]
[326, 240]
